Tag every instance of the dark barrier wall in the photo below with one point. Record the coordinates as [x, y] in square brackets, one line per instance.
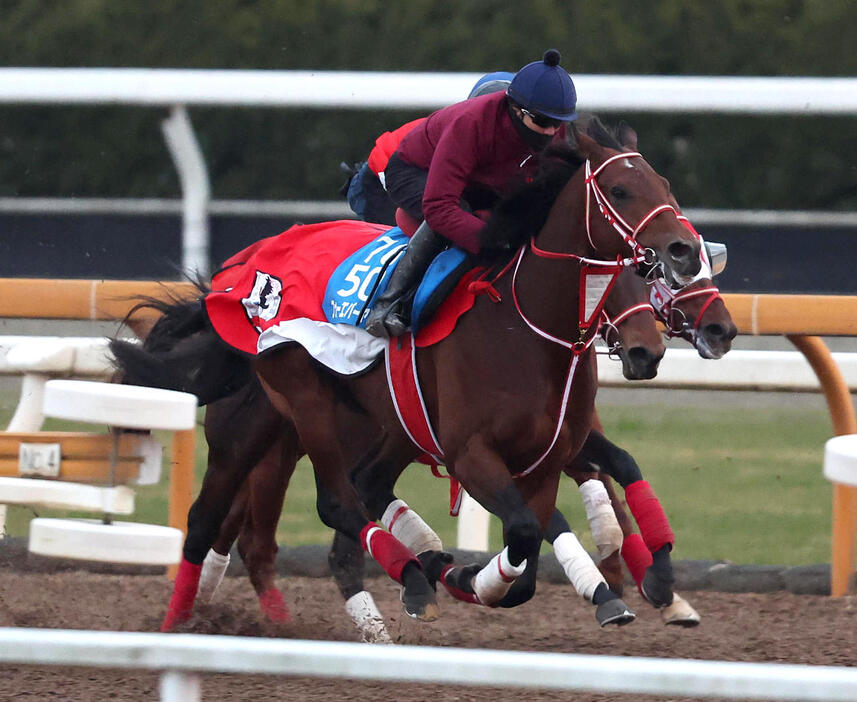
[780, 259]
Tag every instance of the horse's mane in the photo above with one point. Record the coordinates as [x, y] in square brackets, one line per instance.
[522, 213]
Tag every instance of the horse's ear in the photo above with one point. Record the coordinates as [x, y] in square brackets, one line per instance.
[627, 136]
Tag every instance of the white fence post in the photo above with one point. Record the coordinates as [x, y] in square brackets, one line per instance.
[196, 192]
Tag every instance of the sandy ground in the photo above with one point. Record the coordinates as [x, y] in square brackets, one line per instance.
[777, 627]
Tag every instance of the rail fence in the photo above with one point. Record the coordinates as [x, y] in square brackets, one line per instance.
[181, 657]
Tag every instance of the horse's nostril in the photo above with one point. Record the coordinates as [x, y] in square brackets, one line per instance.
[714, 331]
[684, 258]
[640, 354]
[718, 331]
[679, 251]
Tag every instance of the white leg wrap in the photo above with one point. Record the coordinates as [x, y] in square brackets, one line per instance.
[603, 524]
[409, 528]
[493, 582]
[578, 566]
[213, 569]
[363, 612]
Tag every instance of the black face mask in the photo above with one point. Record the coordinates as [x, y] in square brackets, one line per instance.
[536, 141]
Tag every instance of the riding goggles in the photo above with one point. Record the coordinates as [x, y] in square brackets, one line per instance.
[542, 121]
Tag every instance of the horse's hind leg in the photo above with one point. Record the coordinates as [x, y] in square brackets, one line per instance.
[217, 560]
[346, 564]
[258, 541]
[236, 443]
[298, 388]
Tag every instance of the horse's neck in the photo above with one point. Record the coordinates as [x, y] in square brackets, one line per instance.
[548, 289]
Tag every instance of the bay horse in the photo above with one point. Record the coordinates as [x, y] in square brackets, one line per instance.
[695, 312]
[256, 510]
[628, 330]
[497, 389]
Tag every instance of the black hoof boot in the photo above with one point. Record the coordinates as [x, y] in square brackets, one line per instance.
[418, 596]
[657, 584]
[433, 563]
[614, 612]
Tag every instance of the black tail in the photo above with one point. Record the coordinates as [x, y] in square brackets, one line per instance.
[182, 353]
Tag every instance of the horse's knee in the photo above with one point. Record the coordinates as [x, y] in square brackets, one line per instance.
[622, 467]
[349, 519]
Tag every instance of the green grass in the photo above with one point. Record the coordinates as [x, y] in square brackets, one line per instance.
[737, 484]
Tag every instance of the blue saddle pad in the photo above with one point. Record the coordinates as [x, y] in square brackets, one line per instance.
[441, 277]
[364, 275]
[355, 283]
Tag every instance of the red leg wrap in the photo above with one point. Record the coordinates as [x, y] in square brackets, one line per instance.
[184, 593]
[274, 606]
[650, 517]
[457, 593]
[636, 556]
[392, 555]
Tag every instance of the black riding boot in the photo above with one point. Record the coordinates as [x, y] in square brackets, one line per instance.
[390, 315]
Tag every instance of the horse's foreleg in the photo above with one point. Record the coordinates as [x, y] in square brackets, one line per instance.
[586, 578]
[487, 479]
[654, 578]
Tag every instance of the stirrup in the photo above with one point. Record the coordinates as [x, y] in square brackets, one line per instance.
[376, 327]
[395, 324]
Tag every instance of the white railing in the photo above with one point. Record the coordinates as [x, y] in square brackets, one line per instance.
[181, 656]
[38, 358]
[177, 89]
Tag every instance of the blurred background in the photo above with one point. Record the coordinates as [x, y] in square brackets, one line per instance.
[714, 161]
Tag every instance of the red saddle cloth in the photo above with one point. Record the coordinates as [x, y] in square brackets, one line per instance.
[281, 278]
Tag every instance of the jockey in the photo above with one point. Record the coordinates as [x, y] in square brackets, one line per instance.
[469, 151]
[367, 193]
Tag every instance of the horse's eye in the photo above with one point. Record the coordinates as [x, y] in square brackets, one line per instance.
[617, 192]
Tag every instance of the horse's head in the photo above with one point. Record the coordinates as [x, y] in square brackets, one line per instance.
[630, 328]
[698, 315]
[629, 203]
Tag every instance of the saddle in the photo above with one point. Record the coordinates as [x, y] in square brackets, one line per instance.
[362, 277]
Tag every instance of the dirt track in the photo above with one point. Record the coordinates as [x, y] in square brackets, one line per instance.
[743, 627]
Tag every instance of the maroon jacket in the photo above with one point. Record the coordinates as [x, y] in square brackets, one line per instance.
[469, 144]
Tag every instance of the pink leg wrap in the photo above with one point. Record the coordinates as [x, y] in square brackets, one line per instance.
[184, 593]
[274, 606]
[636, 556]
[457, 593]
[392, 555]
[650, 517]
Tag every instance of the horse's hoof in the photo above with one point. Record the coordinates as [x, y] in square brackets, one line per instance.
[614, 612]
[419, 602]
[423, 611]
[656, 591]
[680, 613]
[273, 606]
